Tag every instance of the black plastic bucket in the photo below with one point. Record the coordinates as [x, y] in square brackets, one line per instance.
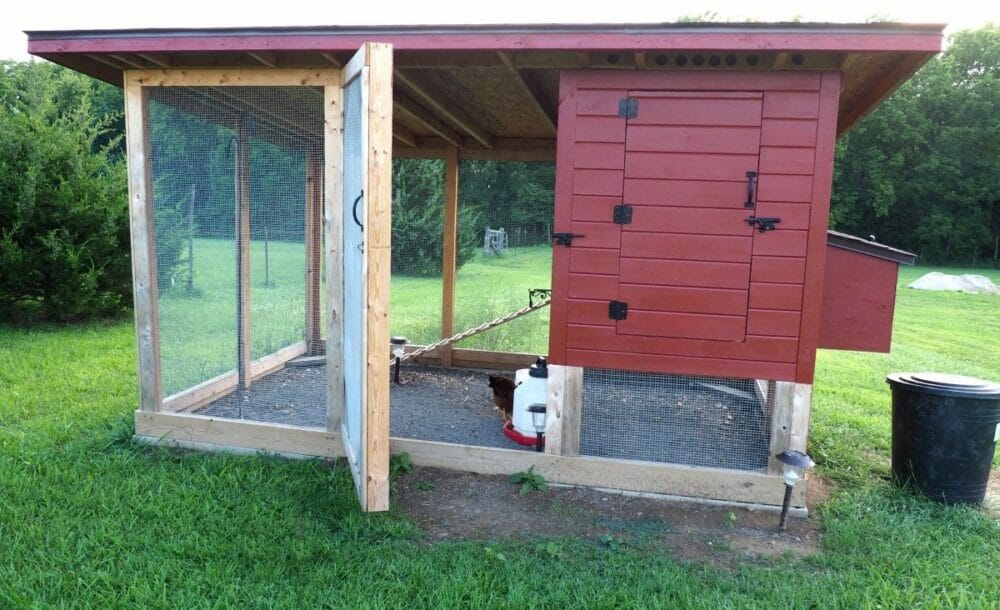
[944, 434]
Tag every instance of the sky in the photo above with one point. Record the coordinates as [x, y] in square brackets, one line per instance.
[112, 14]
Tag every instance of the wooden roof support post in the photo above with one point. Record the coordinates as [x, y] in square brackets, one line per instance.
[449, 258]
[242, 184]
[313, 227]
[143, 236]
[792, 406]
[563, 404]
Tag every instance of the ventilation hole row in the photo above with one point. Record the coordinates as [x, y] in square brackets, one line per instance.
[713, 60]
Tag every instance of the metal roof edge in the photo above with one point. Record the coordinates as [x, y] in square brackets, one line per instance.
[860, 245]
[621, 28]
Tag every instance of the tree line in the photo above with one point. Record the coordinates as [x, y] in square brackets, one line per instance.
[921, 173]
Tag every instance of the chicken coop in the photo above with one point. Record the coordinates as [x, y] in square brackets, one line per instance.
[647, 206]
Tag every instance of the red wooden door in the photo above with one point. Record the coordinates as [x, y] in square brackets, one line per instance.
[684, 258]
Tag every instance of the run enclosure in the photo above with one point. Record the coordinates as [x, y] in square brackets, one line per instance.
[331, 132]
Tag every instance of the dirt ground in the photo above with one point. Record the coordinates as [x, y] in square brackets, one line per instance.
[452, 505]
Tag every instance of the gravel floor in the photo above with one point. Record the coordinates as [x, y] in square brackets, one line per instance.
[661, 418]
[430, 403]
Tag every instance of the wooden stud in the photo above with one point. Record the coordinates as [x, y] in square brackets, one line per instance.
[242, 219]
[532, 89]
[780, 60]
[439, 101]
[216, 433]
[652, 477]
[449, 257]
[268, 59]
[564, 403]
[108, 61]
[640, 60]
[236, 77]
[478, 359]
[333, 203]
[411, 108]
[143, 240]
[378, 249]
[313, 229]
[792, 406]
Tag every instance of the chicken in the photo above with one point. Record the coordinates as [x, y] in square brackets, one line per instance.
[503, 395]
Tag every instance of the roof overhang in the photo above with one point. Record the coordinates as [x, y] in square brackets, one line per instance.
[437, 65]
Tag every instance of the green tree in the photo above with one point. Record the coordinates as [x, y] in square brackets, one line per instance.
[63, 207]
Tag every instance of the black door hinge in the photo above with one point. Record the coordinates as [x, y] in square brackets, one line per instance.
[622, 214]
[617, 310]
[628, 108]
[565, 239]
[763, 224]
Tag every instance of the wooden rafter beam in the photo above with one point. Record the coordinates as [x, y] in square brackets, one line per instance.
[265, 57]
[333, 59]
[437, 100]
[129, 61]
[532, 89]
[404, 135]
[157, 59]
[410, 107]
[107, 61]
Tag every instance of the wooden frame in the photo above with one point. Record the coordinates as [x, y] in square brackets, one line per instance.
[691, 481]
[449, 259]
[564, 402]
[791, 408]
[143, 237]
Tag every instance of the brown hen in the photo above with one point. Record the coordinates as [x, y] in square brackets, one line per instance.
[503, 395]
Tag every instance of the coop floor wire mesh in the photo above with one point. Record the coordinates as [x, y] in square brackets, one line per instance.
[695, 421]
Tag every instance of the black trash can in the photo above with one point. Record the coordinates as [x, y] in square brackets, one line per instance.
[944, 434]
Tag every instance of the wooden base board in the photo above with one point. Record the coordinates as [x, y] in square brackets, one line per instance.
[188, 430]
[478, 359]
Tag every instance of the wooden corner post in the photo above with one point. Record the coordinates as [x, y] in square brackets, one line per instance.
[449, 258]
[564, 403]
[333, 204]
[143, 238]
[792, 407]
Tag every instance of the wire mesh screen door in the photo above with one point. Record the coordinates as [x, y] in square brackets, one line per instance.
[365, 226]
[226, 164]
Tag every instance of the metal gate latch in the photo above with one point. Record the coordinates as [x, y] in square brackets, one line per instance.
[565, 239]
[763, 224]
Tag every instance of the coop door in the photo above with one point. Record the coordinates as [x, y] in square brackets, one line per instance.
[691, 160]
[364, 218]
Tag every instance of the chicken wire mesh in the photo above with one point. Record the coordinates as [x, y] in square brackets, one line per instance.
[503, 250]
[695, 421]
[223, 161]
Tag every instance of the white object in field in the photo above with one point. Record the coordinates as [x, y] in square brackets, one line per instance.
[530, 390]
[935, 280]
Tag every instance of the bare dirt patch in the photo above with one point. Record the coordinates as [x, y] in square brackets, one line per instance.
[451, 505]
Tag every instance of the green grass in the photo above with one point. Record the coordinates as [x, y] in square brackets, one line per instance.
[90, 519]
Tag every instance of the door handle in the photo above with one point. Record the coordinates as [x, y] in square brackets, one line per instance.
[751, 187]
[354, 211]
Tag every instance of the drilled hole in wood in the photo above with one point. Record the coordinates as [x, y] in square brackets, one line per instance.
[681, 60]
[661, 60]
[714, 61]
[730, 60]
[612, 58]
[698, 60]
[797, 59]
[752, 60]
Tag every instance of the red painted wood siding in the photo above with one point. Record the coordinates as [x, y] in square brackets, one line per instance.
[859, 294]
[706, 294]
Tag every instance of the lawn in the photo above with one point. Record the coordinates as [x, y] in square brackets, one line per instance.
[90, 519]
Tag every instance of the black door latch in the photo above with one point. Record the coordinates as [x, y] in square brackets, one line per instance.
[751, 196]
[763, 223]
[565, 239]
